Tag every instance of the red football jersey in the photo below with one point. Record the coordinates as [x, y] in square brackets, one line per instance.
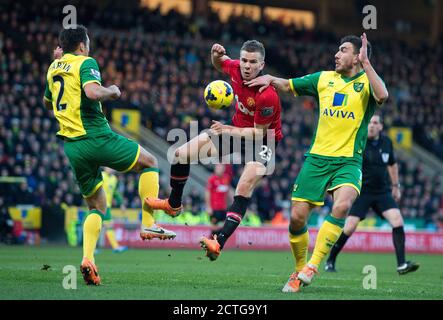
[252, 106]
[218, 188]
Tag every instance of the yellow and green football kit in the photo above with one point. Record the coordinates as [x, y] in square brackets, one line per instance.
[89, 141]
[334, 158]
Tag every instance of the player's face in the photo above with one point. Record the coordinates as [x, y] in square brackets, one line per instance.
[219, 169]
[251, 63]
[345, 58]
[374, 127]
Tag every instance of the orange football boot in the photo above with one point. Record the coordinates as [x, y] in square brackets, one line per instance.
[90, 272]
[293, 284]
[307, 273]
[211, 246]
[163, 204]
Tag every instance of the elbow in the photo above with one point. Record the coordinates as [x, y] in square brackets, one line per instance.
[92, 95]
[383, 97]
[47, 104]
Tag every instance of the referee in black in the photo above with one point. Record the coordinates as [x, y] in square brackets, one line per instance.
[381, 192]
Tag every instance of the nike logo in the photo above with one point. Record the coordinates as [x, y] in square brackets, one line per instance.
[161, 231]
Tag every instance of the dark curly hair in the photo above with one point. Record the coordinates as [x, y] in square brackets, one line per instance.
[69, 39]
[356, 42]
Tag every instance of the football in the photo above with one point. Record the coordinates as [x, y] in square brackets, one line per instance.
[218, 94]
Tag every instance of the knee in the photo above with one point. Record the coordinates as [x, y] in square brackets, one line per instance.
[396, 221]
[98, 206]
[298, 219]
[181, 154]
[341, 208]
[245, 187]
[151, 162]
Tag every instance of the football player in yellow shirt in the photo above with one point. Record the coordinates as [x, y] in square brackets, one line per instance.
[74, 92]
[347, 98]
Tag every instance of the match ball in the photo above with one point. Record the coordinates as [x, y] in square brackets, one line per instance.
[218, 94]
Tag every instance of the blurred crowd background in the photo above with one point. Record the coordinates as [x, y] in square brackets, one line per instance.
[162, 64]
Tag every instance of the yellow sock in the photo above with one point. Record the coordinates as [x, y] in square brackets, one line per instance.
[148, 187]
[91, 232]
[110, 234]
[327, 236]
[299, 241]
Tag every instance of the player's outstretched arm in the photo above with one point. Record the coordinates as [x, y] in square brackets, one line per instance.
[218, 56]
[96, 92]
[379, 90]
[266, 80]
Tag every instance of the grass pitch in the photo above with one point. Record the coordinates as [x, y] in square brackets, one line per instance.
[188, 275]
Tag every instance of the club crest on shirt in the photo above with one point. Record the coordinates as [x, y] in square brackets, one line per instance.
[385, 157]
[267, 111]
[250, 102]
[358, 86]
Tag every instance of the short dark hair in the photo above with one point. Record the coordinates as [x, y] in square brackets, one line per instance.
[379, 115]
[356, 42]
[70, 38]
[254, 46]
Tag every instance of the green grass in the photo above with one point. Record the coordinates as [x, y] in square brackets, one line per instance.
[187, 275]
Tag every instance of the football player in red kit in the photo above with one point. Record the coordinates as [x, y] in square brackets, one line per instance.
[217, 195]
[254, 132]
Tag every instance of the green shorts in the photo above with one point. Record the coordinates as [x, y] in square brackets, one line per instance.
[86, 156]
[319, 175]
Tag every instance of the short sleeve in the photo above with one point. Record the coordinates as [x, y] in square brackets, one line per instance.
[89, 72]
[306, 85]
[229, 65]
[392, 159]
[267, 105]
[48, 94]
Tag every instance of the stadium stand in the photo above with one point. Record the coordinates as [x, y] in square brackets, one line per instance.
[162, 67]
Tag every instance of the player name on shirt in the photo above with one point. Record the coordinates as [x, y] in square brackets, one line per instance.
[61, 65]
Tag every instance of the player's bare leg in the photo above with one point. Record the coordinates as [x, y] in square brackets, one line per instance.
[330, 231]
[91, 233]
[200, 147]
[398, 237]
[251, 175]
[148, 186]
[299, 241]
